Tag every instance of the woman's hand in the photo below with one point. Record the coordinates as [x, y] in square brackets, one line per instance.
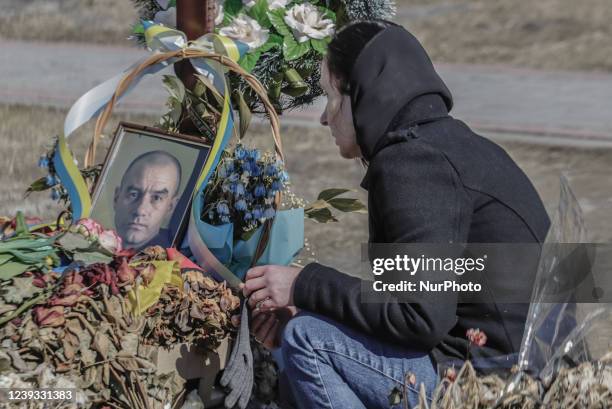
[267, 327]
[270, 287]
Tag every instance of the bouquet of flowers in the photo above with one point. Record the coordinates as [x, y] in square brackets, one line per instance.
[287, 40]
[239, 200]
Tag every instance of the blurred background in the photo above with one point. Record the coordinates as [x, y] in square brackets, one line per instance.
[533, 76]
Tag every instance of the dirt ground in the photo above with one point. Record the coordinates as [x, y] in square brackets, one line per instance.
[314, 165]
[551, 34]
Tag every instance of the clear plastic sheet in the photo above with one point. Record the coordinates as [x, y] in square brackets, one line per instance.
[567, 333]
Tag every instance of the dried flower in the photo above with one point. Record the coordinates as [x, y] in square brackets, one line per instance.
[110, 240]
[476, 337]
[125, 273]
[89, 228]
[450, 374]
[49, 317]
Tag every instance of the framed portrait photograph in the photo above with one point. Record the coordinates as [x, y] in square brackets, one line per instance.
[146, 185]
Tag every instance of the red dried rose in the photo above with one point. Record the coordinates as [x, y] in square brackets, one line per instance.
[125, 273]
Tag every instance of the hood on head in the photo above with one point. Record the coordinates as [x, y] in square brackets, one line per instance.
[391, 71]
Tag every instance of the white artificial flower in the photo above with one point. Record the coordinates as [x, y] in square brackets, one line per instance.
[244, 28]
[306, 21]
[220, 15]
[277, 4]
[249, 3]
[166, 17]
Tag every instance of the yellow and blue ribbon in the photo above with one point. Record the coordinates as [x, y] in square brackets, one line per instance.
[159, 39]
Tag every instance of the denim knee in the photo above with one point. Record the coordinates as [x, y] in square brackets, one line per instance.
[301, 332]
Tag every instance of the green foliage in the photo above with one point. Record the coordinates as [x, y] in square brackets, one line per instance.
[277, 20]
[293, 50]
[260, 13]
[319, 46]
[231, 8]
[321, 210]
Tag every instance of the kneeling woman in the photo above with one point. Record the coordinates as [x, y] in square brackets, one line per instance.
[430, 179]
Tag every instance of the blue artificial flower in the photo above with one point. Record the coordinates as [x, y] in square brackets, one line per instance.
[225, 219]
[255, 170]
[222, 208]
[248, 216]
[241, 205]
[222, 172]
[260, 190]
[234, 177]
[269, 213]
[257, 213]
[43, 162]
[276, 186]
[270, 170]
[55, 194]
[254, 154]
[240, 153]
[239, 191]
[50, 180]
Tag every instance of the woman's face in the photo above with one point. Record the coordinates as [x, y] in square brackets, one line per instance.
[338, 116]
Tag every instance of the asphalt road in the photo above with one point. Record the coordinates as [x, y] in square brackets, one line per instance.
[499, 101]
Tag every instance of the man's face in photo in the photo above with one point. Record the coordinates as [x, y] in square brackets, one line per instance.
[148, 194]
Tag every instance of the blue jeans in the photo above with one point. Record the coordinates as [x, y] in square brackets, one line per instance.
[329, 365]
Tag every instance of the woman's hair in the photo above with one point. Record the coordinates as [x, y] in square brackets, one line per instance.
[346, 45]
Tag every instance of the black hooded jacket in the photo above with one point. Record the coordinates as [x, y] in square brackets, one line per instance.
[430, 179]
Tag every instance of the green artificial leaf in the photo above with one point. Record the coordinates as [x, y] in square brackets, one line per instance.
[92, 256]
[328, 13]
[321, 215]
[277, 19]
[319, 46]
[73, 242]
[274, 39]
[331, 193]
[21, 227]
[12, 269]
[175, 87]
[5, 258]
[293, 50]
[138, 29]
[206, 82]
[245, 114]
[347, 205]
[260, 13]
[39, 185]
[249, 60]
[395, 397]
[231, 8]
